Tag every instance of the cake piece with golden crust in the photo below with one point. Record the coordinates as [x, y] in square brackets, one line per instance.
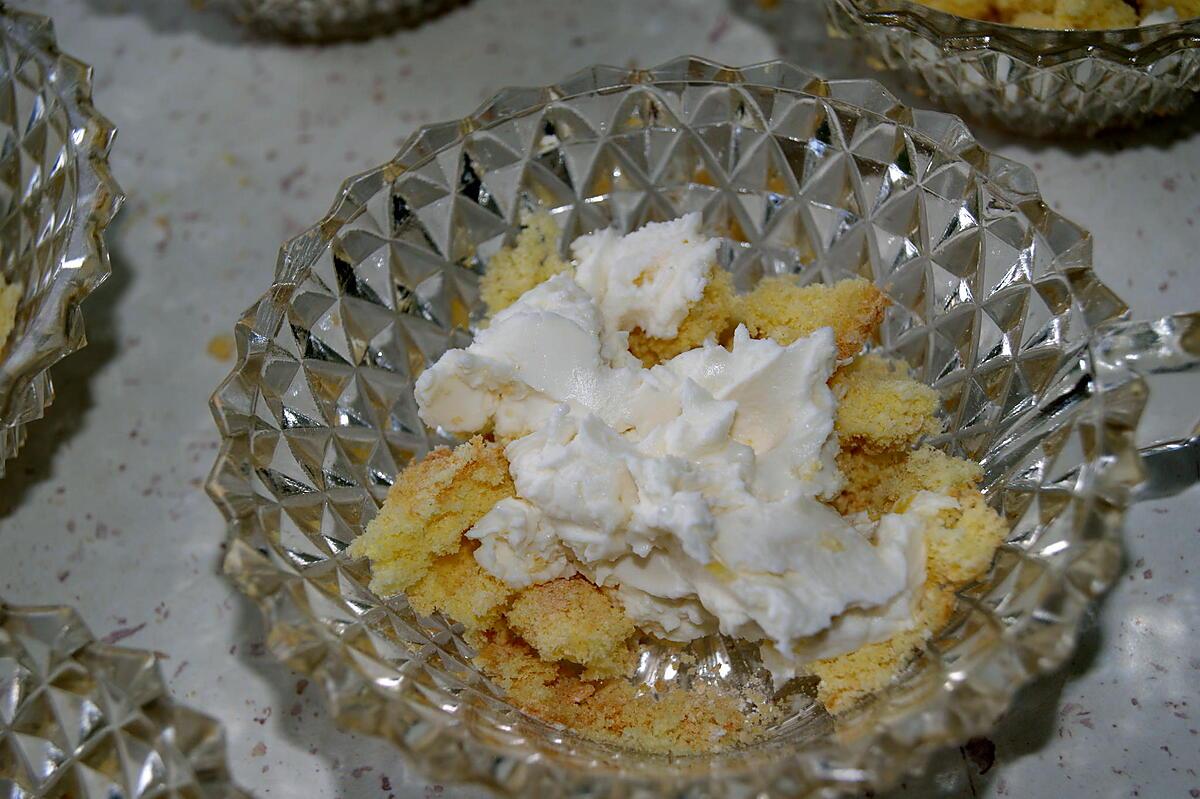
[780, 309]
[572, 619]
[880, 407]
[432, 503]
[457, 586]
[10, 295]
[515, 270]
[876, 481]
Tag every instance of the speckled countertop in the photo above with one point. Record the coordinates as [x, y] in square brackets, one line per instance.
[228, 145]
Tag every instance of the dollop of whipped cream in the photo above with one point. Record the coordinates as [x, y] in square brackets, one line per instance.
[694, 488]
[1160, 17]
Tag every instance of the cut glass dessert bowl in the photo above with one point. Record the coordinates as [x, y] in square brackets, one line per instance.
[1038, 82]
[994, 304]
[56, 199]
[327, 20]
[86, 720]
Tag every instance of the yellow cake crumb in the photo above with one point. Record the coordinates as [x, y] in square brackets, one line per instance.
[10, 294]
[876, 481]
[710, 316]
[572, 619]
[431, 504]
[779, 309]
[515, 270]
[458, 587]
[1094, 14]
[976, 9]
[675, 720]
[1064, 14]
[880, 406]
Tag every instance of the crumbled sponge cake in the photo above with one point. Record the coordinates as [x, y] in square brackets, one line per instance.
[431, 504]
[515, 270]
[675, 720]
[1063, 14]
[779, 309]
[1094, 14]
[457, 586]
[976, 9]
[572, 619]
[961, 545]
[880, 407]
[712, 316]
[876, 481]
[10, 294]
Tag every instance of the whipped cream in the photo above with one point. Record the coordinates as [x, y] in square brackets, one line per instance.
[693, 488]
[1160, 17]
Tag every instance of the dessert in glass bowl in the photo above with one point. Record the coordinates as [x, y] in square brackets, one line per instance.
[1038, 67]
[1071, 14]
[651, 456]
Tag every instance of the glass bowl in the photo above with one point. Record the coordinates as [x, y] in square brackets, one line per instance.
[995, 305]
[1037, 82]
[86, 719]
[56, 199]
[329, 20]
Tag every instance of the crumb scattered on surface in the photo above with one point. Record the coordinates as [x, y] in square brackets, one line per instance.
[221, 347]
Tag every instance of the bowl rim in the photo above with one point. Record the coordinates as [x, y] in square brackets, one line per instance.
[489, 761]
[56, 327]
[1138, 47]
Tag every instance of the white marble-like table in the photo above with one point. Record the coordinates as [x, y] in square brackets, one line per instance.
[228, 145]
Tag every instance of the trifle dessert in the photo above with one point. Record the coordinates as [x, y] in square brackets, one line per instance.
[650, 458]
[10, 294]
[1071, 14]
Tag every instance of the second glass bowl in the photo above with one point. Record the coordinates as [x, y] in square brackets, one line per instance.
[1037, 82]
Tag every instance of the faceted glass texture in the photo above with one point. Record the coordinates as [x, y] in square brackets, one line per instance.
[85, 720]
[327, 20]
[56, 198]
[1036, 82]
[994, 304]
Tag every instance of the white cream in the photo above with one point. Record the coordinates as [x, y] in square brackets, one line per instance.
[1160, 17]
[517, 547]
[693, 488]
[646, 279]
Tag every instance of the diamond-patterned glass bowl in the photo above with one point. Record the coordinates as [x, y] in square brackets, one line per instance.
[1038, 82]
[85, 720]
[328, 20]
[995, 304]
[56, 198]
